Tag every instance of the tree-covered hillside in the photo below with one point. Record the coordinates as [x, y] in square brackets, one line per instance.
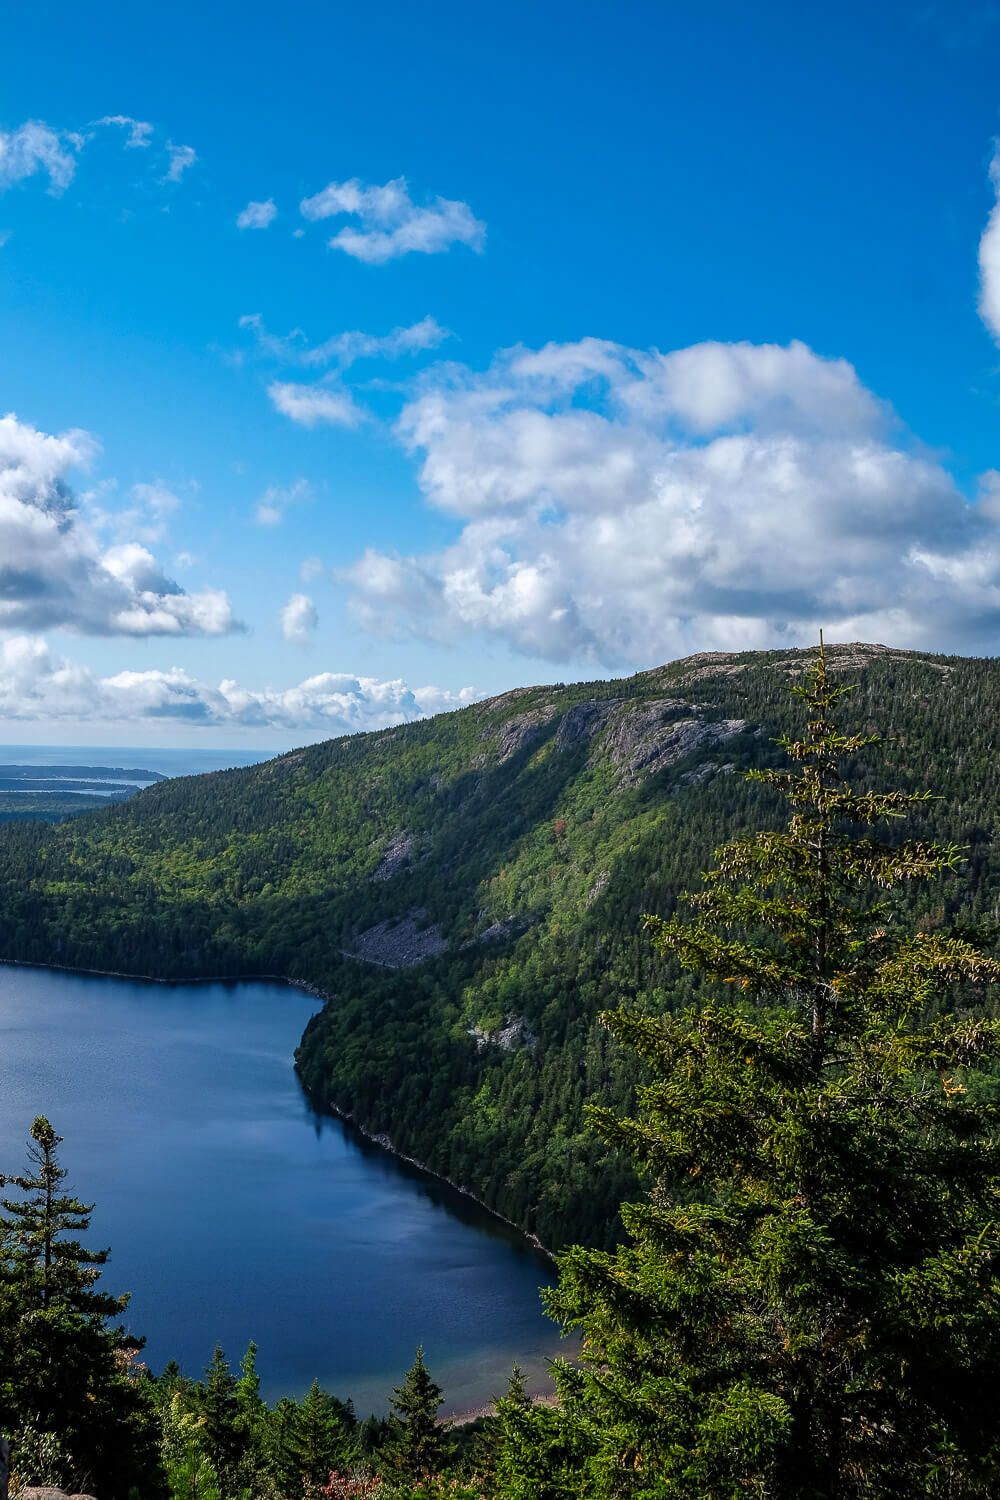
[468, 891]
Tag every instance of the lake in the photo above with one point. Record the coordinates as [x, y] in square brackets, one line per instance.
[235, 1212]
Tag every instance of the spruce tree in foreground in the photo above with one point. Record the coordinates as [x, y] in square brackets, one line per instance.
[809, 1302]
[419, 1448]
[66, 1370]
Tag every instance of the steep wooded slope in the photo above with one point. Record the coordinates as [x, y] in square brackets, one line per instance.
[468, 890]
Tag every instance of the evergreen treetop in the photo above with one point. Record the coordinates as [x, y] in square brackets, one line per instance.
[51, 1268]
[420, 1442]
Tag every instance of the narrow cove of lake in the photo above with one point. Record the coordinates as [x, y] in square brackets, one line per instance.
[235, 1212]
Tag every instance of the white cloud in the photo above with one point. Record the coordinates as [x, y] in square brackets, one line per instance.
[257, 215]
[38, 685]
[629, 506]
[311, 568]
[140, 132]
[35, 147]
[181, 158]
[391, 224]
[54, 570]
[277, 498]
[298, 618]
[315, 405]
[989, 257]
[146, 518]
[343, 349]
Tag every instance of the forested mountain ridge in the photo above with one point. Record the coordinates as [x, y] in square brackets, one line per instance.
[468, 890]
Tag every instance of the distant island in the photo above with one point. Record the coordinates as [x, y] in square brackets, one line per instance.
[53, 792]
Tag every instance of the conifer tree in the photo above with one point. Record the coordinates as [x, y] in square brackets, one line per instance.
[48, 1267]
[283, 1458]
[808, 1303]
[419, 1447]
[224, 1435]
[323, 1426]
[65, 1369]
[249, 1403]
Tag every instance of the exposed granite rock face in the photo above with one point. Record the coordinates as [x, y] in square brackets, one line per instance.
[519, 731]
[397, 856]
[499, 931]
[514, 1033]
[400, 944]
[582, 722]
[853, 656]
[644, 738]
[45, 1492]
[600, 884]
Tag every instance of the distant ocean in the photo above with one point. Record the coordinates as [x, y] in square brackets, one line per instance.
[170, 762]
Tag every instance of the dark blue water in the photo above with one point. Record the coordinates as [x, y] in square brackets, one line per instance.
[234, 1212]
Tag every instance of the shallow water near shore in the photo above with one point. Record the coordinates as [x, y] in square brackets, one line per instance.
[234, 1211]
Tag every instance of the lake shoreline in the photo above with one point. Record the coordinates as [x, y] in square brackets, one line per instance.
[385, 1143]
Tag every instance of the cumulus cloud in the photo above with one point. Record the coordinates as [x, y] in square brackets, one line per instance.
[343, 349]
[629, 506]
[140, 132]
[180, 160]
[989, 257]
[54, 570]
[257, 215]
[298, 618]
[34, 148]
[277, 498]
[315, 405]
[37, 685]
[390, 224]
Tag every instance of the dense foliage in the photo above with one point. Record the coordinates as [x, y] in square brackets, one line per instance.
[534, 838]
[808, 1303]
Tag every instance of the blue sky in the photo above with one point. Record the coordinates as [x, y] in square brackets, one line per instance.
[673, 328]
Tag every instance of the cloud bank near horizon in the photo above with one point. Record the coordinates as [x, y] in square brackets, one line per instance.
[39, 686]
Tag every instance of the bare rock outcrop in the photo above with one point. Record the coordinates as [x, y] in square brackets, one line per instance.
[514, 1033]
[852, 656]
[400, 944]
[513, 735]
[46, 1492]
[644, 738]
[582, 722]
[397, 856]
